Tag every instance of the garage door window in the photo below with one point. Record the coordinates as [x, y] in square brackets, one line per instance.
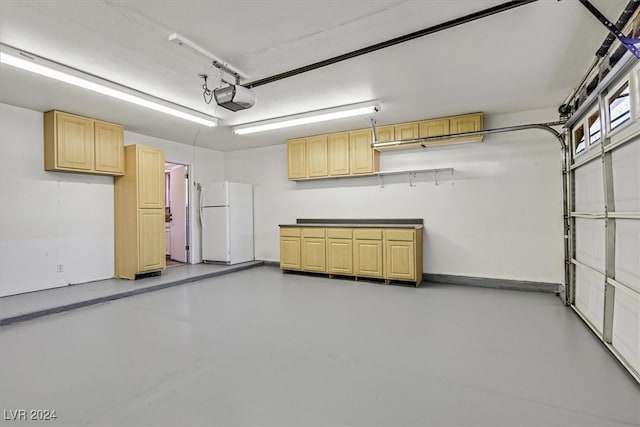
[620, 107]
[594, 128]
[578, 139]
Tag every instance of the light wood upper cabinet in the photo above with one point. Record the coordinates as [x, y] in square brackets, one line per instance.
[363, 159]
[466, 123]
[437, 127]
[109, 151]
[150, 174]
[385, 133]
[334, 155]
[297, 158]
[74, 137]
[338, 149]
[317, 156]
[79, 144]
[407, 131]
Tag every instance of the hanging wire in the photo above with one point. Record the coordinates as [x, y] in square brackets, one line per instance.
[207, 93]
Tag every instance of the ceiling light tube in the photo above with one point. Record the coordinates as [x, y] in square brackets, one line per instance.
[61, 73]
[308, 117]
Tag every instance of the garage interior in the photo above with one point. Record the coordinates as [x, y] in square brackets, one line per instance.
[502, 200]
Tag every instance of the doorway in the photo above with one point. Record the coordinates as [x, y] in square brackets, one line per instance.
[177, 245]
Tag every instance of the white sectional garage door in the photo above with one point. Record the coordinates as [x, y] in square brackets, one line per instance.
[605, 213]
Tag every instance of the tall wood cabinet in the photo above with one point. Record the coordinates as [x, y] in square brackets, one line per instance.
[139, 213]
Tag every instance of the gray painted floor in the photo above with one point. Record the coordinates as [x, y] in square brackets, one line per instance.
[262, 347]
[50, 299]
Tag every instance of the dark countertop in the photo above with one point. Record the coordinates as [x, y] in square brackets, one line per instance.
[347, 225]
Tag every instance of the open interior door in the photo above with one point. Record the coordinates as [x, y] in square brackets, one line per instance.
[178, 184]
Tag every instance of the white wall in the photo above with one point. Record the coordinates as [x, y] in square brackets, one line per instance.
[498, 216]
[52, 218]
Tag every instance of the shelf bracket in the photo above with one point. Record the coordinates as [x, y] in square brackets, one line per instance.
[435, 175]
[411, 176]
[380, 180]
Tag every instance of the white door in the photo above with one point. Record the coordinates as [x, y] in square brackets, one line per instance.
[215, 234]
[178, 184]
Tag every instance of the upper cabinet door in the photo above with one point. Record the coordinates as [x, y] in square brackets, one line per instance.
[338, 148]
[385, 133]
[466, 123]
[437, 127]
[297, 158]
[150, 175]
[317, 156]
[109, 148]
[74, 137]
[361, 152]
[407, 131]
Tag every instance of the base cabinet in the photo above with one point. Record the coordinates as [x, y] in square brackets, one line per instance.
[290, 253]
[314, 250]
[340, 256]
[400, 260]
[368, 258]
[390, 254]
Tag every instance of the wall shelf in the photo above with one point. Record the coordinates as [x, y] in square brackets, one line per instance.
[412, 174]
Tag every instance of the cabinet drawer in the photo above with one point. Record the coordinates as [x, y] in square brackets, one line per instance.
[404, 235]
[289, 232]
[313, 232]
[367, 234]
[339, 233]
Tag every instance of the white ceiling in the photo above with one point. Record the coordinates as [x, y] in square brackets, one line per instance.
[523, 59]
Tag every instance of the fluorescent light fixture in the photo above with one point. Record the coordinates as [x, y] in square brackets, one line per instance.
[74, 77]
[308, 117]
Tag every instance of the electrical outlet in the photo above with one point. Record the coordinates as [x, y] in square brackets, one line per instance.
[60, 268]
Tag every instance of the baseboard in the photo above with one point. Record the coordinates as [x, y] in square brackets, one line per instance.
[272, 263]
[485, 282]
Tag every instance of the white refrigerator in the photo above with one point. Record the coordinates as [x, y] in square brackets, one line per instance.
[226, 217]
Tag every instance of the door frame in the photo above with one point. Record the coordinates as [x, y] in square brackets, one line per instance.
[190, 211]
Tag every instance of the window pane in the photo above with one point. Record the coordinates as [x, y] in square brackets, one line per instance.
[578, 139]
[594, 128]
[620, 107]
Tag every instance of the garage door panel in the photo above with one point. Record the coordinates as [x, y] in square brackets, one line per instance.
[590, 296]
[626, 177]
[589, 188]
[590, 239]
[628, 252]
[626, 327]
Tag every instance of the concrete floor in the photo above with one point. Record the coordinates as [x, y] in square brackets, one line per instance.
[262, 347]
[34, 304]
